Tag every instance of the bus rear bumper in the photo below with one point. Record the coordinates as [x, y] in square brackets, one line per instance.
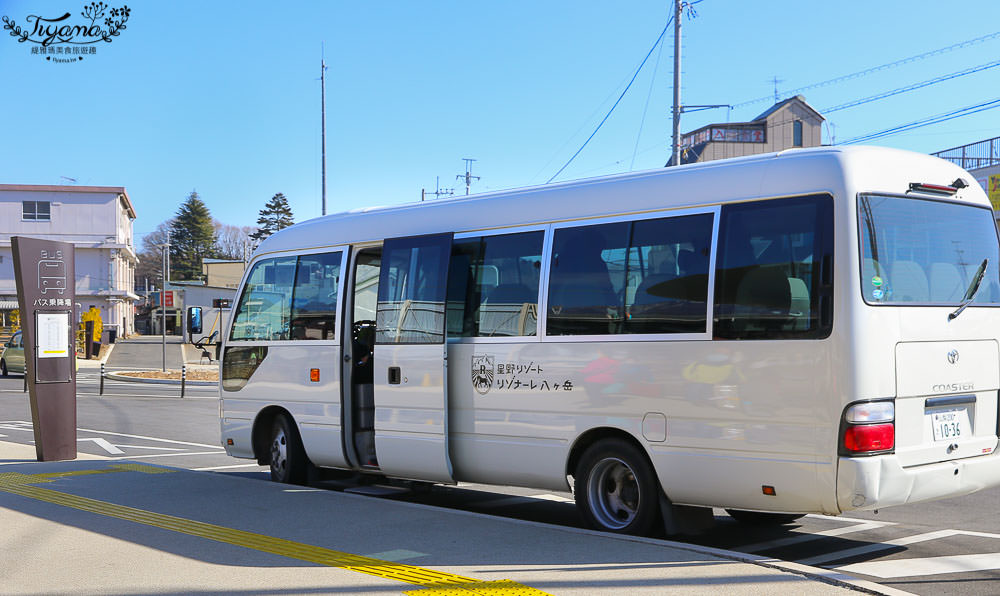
[880, 481]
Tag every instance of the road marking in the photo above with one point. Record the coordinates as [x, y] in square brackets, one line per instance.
[24, 425]
[105, 445]
[810, 536]
[179, 454]
[437, 583]
[871, 548]
[925, 566]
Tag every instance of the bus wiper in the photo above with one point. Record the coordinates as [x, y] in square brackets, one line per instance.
[970, 294]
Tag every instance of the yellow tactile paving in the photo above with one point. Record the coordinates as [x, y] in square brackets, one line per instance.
[436, 583]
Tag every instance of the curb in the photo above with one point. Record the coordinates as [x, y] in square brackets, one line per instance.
[120, 377]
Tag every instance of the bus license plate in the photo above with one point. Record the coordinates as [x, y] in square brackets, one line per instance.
[951, 425]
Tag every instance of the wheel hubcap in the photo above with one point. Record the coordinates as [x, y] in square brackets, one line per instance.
[279, 453]
[613, 493]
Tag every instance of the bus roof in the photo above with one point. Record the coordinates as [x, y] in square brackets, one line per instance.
[837, 170]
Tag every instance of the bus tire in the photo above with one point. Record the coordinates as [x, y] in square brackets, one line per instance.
[289, 464]
[760, 518]
[616, 489]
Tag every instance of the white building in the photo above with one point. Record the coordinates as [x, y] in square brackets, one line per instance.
[97, 220]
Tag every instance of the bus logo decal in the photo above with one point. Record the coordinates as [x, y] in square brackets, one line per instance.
[482, 373]
[953, 356]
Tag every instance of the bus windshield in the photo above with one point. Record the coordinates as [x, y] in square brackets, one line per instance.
[925, 251]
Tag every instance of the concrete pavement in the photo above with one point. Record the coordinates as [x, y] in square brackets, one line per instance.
[117, 527]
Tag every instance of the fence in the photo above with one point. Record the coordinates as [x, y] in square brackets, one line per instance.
[974, 155]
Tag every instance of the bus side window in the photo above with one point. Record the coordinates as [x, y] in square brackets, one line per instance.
[314, 302]
[672, 292]
[645, 276]
[769, 278]
[582, 297]
[493, 285]
[263, 311]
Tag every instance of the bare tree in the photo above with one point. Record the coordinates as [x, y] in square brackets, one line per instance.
[150, 256]
[231, 240]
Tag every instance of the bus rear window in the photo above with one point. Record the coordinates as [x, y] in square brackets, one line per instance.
[921, 251]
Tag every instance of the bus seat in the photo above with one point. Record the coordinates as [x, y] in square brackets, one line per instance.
[946, 283]
[909, 282]
[763, 299]
[799, 306]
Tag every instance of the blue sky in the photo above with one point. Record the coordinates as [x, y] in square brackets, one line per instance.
[224, 96]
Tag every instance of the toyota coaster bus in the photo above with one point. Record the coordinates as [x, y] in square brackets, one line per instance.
[812, 331]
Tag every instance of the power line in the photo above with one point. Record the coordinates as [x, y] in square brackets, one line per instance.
[966, 111]
[867, 71]
[627, 87]
[914, 86]
[645, 108]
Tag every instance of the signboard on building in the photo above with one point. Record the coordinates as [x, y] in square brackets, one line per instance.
[993, 190]
[45, 274]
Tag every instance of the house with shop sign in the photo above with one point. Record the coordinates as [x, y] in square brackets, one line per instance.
[97, 220]
[786, 124]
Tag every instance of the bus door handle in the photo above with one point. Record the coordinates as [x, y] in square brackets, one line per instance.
[394, 375]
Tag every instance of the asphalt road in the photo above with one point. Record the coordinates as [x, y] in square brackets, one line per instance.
[939, 548]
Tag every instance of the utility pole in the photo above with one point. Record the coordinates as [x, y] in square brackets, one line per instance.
[322, 101]
[675, 155]
[163, 301]
[438, 191]
[468, 174]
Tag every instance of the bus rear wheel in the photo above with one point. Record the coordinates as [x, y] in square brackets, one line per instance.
[288, 458]
[760, 518]
[616, 489]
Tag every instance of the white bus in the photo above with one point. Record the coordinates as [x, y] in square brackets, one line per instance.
[809, 331]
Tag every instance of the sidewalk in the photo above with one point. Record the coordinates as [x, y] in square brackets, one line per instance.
[120, 527]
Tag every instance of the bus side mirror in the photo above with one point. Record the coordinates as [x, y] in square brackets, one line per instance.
[194, 319]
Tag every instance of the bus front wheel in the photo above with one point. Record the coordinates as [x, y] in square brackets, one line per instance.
[616, 489]
[288, 458]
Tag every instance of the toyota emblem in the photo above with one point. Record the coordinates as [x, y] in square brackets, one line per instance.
[953, 356]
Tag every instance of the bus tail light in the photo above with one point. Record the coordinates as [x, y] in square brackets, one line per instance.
[868, 428]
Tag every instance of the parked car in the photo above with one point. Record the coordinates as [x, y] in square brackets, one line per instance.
[12, 356]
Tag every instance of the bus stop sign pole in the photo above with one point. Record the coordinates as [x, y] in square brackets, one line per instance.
[45, 275]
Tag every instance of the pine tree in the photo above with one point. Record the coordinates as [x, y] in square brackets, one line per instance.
[275, 215]
[192, 238]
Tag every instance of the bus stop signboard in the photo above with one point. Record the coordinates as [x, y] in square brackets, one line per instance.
[44, 273]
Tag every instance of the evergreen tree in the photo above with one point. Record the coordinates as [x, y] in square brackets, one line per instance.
[275, 215]
[192, 238]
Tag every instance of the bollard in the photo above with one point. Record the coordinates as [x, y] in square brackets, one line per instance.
[102, 379]
[184, 370]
